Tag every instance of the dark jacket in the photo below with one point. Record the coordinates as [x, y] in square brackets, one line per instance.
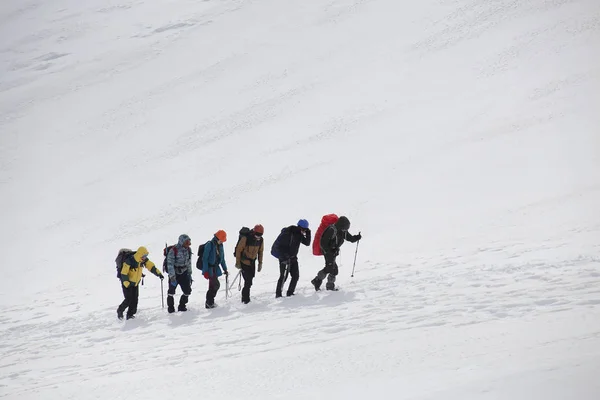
[333, 238]
[288, 242]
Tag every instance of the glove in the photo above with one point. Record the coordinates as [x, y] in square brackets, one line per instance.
[161, 277]
[358, 237]
[205, 275]
[238, 266]
[226, 272]
[126, 284]
[191, 280]
[259, 267]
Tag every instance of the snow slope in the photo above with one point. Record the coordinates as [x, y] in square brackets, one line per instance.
[460, 137]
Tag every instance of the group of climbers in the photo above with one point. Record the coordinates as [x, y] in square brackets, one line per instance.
[249, 250]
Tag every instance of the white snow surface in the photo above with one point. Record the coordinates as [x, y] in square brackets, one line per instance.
[461, 138]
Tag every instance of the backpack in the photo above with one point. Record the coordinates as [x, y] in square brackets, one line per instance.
[166, 251]
[244, 232]
[275, 247]
[327, 220]
[199, 262]
[121, 256]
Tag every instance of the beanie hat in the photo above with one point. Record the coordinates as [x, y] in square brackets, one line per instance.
[221, 235]
[259, 229]
[303, 224]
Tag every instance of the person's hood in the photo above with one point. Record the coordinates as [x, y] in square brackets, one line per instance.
[182, 239]
[141, 252]
[343, 223]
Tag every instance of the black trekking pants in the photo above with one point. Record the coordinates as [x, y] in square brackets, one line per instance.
[131, 294]
[292, 265]
[330, 271]
[248, 272]
[213, 287]
[185, 282]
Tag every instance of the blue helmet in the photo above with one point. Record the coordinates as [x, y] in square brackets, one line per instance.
[303, 224]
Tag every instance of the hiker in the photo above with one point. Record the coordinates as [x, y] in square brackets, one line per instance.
[213, 260]
[285, 249]
[249, 248]
[179, 268]
[331, 241]
[131, 275]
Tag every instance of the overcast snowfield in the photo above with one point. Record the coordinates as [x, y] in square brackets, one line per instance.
[461, 138]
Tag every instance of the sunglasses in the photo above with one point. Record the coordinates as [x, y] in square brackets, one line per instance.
[144, 256]
[258, 234]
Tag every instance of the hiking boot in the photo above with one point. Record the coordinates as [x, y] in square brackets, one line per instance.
[171, 310]
[182, 307]
[277, 295]
[331, 286]
[316, 283]
[120, 314]
[246, 301]
[131, 317]
[209, 306]
[290, 294]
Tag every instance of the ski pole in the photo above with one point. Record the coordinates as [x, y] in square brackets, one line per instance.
[356, 252]
[162, 293]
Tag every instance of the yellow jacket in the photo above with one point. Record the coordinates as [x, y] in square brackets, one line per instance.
[131, 273]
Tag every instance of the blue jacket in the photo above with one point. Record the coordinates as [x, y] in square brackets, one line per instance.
[210, 259]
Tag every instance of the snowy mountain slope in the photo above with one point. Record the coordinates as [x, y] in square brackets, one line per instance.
[460, 137]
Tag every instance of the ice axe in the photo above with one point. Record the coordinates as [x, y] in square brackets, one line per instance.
[287, 270]
[235, 279]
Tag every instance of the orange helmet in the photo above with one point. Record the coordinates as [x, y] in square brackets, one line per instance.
[259, 229]
[221, 235]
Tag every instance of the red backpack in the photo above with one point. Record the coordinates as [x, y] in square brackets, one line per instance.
[327, 220]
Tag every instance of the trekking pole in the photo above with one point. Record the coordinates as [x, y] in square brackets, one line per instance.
[356, 252]
[162, 293]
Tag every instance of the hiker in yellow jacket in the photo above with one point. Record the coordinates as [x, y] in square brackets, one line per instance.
[131, 275]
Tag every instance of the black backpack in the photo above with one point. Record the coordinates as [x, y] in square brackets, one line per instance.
[275, 252]
[200, 256]
[123, 254]
[166, 251]
[244, 232]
